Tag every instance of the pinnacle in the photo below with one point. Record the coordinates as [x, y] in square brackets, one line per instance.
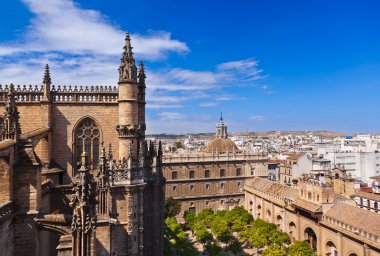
[47, 78]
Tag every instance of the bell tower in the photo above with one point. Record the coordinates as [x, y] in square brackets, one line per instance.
[221, 128]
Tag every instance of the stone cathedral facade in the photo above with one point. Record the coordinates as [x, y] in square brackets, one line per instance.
[76, 174]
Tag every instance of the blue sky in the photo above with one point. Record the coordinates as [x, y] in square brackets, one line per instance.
[267, 65]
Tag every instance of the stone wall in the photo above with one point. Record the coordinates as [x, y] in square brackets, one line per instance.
[6, 236]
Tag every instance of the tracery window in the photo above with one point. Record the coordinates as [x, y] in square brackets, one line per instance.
[87, 137]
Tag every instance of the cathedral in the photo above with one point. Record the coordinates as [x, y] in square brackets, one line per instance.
[77, 176]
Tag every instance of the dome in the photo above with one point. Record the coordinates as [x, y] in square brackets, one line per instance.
[221, 145]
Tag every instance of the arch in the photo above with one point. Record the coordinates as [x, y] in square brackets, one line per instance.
[352, 254]
[311, 237]
[174, 175]
[292, 230]
[331, 249]
[269, 213]
[86, 138]
[336, 175]
[258, 212]
[279, 222]
[51, 227]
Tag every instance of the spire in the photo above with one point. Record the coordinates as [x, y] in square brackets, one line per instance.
[47, 83]
[47, 78]
[221, 122]
[127, 69]
[141, 75]
[221, 128]
[10, 125]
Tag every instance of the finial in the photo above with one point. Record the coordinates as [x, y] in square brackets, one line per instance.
[127, 69]
[47, 78]
[221, 116]
[141, 75]
[127, 36]
[11, 89]
[103, 150]
[83, 162]
[141, 67]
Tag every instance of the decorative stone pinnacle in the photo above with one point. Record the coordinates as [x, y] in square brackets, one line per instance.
[127, 69]
[141, 67]
[11, 89]
[47, 78]
[221, 116]
[10, 127]
[141, 75]
[83, 168]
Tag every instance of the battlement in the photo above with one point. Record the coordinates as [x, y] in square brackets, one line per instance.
[63, 94]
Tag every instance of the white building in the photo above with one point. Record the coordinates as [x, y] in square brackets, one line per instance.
[360, 165]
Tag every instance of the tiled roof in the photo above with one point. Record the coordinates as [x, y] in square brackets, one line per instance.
[366, 195]
[272, 188]
[306, 205]
[356, 217]
[295, 156]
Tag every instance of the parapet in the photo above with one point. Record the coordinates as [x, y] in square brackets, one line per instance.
[63, 94]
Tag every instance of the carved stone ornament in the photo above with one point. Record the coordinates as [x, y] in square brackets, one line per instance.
[128, 131]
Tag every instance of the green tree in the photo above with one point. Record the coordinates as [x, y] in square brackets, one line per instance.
[204, 236]
[206, 216]
[235, 247]
[176, 241]
[301, 248]
[190, 219]
[213, 249]
[179, 144]
[274, 250]
[172, 207]
[279, 238]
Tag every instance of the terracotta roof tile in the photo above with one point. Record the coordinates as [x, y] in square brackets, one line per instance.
[306, 205]
[273, 188]
[367, 195]
[356, 217]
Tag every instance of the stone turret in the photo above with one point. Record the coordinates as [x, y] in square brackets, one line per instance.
[129, 129]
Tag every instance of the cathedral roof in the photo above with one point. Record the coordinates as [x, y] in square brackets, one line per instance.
[221, 145]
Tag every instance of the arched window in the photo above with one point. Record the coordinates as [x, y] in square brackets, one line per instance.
[376, 206]
[191, 175]
[222, 173]
[331, 248]
[207, 173]
[238, 172]
[87, 139]
[174, 175]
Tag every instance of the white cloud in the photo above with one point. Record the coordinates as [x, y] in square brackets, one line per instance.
[169, 116]
[257, 118]
[82, 46]
[63, 26]
[247, 70]
[208, 104]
